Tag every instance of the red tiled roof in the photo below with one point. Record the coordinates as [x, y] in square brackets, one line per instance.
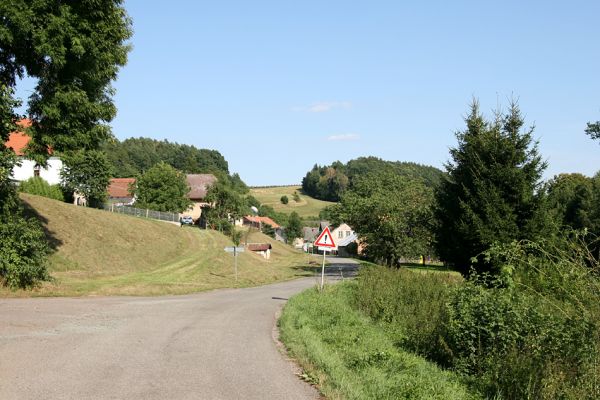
[199, 184]
[258, 246]
[119, 187]
[264, 220]
[18, 140]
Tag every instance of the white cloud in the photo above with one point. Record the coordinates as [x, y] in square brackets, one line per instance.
[324, 106]
[345, 137]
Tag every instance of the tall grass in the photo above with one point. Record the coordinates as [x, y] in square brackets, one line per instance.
[38, 186]
[351, 358]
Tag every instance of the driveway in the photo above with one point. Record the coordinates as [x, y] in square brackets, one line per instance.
[215, 345]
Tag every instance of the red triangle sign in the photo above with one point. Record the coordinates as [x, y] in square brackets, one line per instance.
[325, 239]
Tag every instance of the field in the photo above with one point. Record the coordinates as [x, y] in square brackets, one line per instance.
[306, 207]
[100, 253]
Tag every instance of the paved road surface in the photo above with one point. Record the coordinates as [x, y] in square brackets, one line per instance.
[215, 345]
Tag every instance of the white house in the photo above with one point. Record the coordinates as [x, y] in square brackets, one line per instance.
[27, 168]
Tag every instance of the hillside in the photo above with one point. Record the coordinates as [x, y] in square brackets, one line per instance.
[99, 253]
[306, 207]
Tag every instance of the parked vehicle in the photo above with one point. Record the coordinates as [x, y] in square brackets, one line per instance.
[186, 220]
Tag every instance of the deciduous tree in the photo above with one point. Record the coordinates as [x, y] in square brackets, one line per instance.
[162, 188]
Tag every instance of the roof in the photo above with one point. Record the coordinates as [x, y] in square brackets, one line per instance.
[262, 220]
[119, 187]
[258, 246]
[310, 234]
[18, 140]
[199, 184]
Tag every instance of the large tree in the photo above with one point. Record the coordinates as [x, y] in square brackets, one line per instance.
[88, 173]
[391, 215]
[490, 192]
[162, 188]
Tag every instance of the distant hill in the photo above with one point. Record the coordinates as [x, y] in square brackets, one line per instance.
[100, 253]
[330, 182]
[306, 207]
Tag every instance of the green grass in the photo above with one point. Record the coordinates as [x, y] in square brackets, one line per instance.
[306, 207]
[350, 357]
[101, 253]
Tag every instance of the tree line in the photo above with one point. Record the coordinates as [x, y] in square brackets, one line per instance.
[331, 182]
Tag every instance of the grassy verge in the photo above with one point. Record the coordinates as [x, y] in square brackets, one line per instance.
[350, 357]
[100, 253]
[307, 207]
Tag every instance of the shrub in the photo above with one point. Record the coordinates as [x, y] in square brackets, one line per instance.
[23, 251]
[40, 187]
[296, 197]
[284, 200]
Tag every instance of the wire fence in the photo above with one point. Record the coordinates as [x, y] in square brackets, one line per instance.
[142, 212]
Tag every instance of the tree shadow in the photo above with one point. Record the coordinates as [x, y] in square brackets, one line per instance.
[331, 270]
[30, 212]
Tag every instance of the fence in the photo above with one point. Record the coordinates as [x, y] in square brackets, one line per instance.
[142, 212]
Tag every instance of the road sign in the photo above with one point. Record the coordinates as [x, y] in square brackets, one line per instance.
[325, 239]
[234, 249]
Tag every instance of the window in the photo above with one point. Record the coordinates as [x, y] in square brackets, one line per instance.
[340, 234]
[36, 170]
[347, 233]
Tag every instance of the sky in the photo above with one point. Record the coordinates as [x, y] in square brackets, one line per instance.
[278, 86]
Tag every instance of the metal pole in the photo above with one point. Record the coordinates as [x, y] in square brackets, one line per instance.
[235, 260]
[323, 271]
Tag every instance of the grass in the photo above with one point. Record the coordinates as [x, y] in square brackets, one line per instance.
[306, 207]
[101, 253]
[350, 357]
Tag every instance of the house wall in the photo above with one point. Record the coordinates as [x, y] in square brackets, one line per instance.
[195, 211]
[341, 232]
[50, 174]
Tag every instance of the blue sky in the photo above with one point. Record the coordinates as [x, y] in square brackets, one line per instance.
[277, 86]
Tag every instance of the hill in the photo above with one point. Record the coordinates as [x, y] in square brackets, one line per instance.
[306, 207]
[99, 253]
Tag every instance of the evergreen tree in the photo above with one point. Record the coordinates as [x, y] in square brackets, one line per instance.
[490, 192]
[293, 229]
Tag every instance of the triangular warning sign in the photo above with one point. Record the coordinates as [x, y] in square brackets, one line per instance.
[325, 239]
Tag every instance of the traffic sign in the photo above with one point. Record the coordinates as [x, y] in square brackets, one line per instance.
[325, 239]
[234, 249]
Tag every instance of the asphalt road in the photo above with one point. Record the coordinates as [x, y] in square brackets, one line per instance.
[215, 345]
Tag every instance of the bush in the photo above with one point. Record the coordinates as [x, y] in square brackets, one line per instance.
[40, 187]
[284, 200]
[534, 331]
[23, 251]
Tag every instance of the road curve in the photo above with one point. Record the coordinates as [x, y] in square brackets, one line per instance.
[215, 345]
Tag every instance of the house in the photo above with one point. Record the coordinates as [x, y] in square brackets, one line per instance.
[119, 191]
[309, 235]
[199, 185]
[259, 222]
[342, 235]
[264, 249]
[27, 168]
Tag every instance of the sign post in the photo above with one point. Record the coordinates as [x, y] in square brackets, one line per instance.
[235, 251]
[325, 243]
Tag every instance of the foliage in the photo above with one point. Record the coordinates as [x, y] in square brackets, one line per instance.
[8, 198]
[409, 305]
[227, 205]
[87, 172]
[331, 182]
[349, 357]
[23, 252]
[296, 196]
[284, 200]
[391, 215]
[162, 188]
[134, 156]
[74, 50]
[40, 187]
[490, 193]
[593, 130]
[293, 229]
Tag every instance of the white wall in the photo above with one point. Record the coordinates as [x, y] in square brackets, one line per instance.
[50, 174]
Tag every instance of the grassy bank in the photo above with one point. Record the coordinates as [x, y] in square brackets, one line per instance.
[306, 207]
[99, 253]
[350, 357]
